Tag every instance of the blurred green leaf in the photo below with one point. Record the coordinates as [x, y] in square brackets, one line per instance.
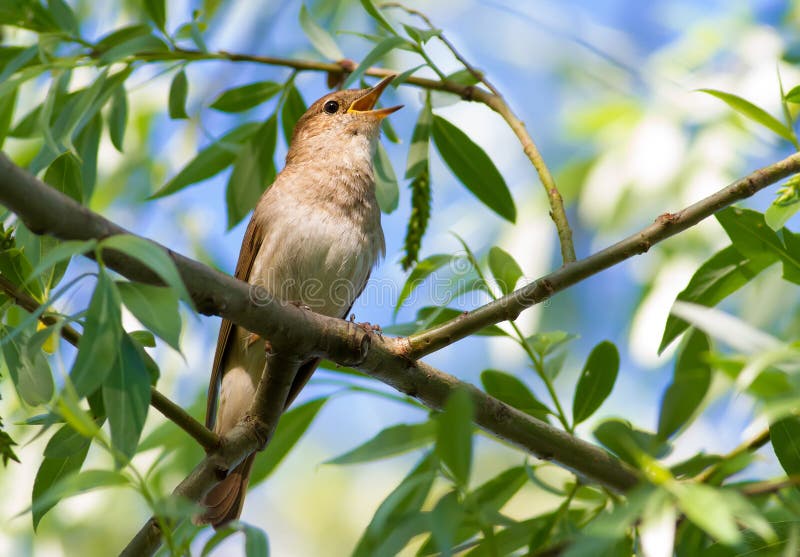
[178, 91]
[386, 188]
[87, 144]
[156, 307]
[253, 172]
[404, 501]
[319, 37]
[378, 51]
[64, 174]
[157, 11]
[454, 441]
[151, 255]
[545, 344]
[100, 342]
[66, 442]
[128, 41]
[28, 369]
[118, 116]
[721, 275]
[291, 427]
[63, 15]
[512, 391]
[376, 14]
[707, 508]
[126, 396]
[473, 167]
[8, 102]
[690, 382]
[293, 108]
[420, 142]
[793, 96]
[445, 519]
[753, 112]
[421, 36]
[255, 542]
[75, 484]
[391, 441]
[246, 97]
[778, 215]
[629, 442]
[507, 540]
[785, 437]
[596, 382]
[51, 472]
[505, 269]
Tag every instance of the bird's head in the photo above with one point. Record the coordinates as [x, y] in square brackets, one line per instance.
[340, 121]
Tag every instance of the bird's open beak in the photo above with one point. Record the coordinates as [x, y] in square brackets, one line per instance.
[366, 103]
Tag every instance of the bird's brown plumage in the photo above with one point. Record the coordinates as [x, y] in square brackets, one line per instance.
[318, 223]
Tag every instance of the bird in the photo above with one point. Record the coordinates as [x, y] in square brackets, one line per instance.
[313, 239]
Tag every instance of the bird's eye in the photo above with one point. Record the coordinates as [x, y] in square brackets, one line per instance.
[331, 107]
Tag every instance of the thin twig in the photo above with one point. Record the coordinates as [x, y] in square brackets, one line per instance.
[204, 436]
[500, 106]
[749, 446]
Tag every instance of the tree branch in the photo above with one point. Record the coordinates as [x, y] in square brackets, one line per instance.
[666, 225]
[204, 436]
[45, 210]
[493, 99]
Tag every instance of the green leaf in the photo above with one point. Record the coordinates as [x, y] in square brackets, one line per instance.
[454, 442]
[126, 396]
[386, 188]
[51, 472]
[156, 307]
[753, 112]
[178, 91]
[779, 214]
[66, 442]
[64, 174]
[151, 255]
[319, 37]
[391, 441]
[513, 392]
[596, 381]
[100, 342]
[293, 108]
[403, 502]
[291, 427]
[28, 368]
[446, 518]
[7, 103]
[157, 11]
[210, 161]
[87, 144]
[421, 36]
[723, 274]
[246, 97]
[372, 10]
[505, 269]
[75, 484]
[753, 238]
[63, 15]
[473, 167]
[118, 116]
[121, 35]
[420, 142]
[785, 437]
[255, 542]
[629, 442]
[547, 343]
[793, 96]
[690, 382]
[421, 271]
[253, 172]
[706, 507]
[377, 52]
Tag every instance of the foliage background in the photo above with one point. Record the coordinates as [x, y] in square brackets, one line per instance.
[607, 90]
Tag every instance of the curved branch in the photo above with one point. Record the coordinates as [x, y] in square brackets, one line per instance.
[666, 225]
[45, 210]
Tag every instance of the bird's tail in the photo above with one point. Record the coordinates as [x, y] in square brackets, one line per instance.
[224, 502]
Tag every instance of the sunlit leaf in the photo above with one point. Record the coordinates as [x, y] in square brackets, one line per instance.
[157, 11]
[505, 269]
[753, 112]
[690, 382]
[377, 52]
[421, 271]
[376, 14]
[391, 441]
[512, 391]
[785, 437]
[64, 174]
[51, 472]
[420, 142]
[319, 37]
[156, 307]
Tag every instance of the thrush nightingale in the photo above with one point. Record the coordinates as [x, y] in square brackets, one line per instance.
[313, 239]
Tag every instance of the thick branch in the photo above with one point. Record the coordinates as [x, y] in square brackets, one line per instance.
[493, 99]
[46, 210]
[666, 225]
[205, 437]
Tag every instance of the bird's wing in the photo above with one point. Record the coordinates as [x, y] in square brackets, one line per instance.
[251, 243]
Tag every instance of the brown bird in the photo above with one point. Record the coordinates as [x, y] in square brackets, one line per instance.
[313, 239]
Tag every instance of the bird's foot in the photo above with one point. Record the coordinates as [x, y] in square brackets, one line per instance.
[368, 327]
[253, 338]
[301, 305]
